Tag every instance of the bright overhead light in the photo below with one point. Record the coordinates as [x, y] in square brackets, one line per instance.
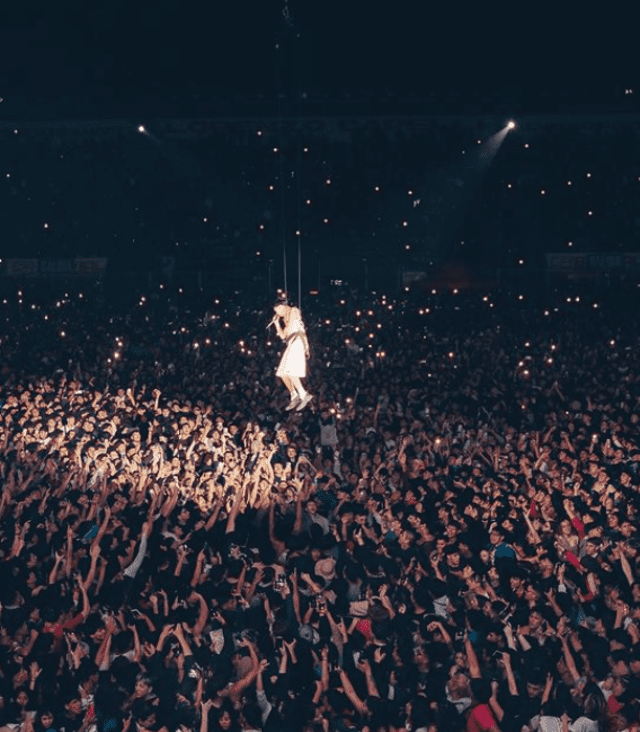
[141, 129]
[511, 125]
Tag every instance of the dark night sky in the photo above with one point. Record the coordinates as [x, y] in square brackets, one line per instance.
[133, 56]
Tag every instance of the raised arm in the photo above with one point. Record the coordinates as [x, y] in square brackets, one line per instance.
[104, 651]
[137, 648]
[351, 693]
[233, 515]
[211, 521]
[625, 565]
[472, 659]
[202, 617]
[568, 659]
[94, 551]
[372, 689]
[238, 689]
[278, 545]
[179, 634]
[505, 662]
[53, 575]
[297, 526]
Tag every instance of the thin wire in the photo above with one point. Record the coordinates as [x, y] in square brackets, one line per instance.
[281, 181]
[290, 27]
[299, 174]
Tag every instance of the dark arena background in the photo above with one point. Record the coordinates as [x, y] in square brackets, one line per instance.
[444, 536]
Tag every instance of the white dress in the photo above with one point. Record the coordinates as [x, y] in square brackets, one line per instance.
[293, 361]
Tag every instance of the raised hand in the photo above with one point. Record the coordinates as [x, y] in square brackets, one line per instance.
[205, 706]
[291, 646]
[379, 655]
[110, 624]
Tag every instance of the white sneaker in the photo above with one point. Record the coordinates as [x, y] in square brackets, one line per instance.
[295, 401]
[303, 403]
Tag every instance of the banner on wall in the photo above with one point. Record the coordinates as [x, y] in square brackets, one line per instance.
[593, 263]
[22, 267]
[410, 277]
[81, 268]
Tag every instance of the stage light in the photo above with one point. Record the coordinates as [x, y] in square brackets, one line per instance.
[141, 129]
[511, 125]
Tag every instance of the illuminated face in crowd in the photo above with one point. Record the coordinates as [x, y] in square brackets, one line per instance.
[612, 521]
[531, 594]
[534, 690]
[535, 620]
[627, 529]
[75, 707]
[508, 525]
[546, 565]
[453, 560]
[451, 531]
[142, 688]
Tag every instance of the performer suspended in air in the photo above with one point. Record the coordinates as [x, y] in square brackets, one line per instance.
[293, 364]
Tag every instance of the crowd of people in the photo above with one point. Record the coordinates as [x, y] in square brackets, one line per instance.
[445, 539]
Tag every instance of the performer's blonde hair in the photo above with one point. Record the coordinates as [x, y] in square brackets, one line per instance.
[291, 314]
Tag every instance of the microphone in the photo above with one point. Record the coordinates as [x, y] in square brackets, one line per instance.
[271, 322]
